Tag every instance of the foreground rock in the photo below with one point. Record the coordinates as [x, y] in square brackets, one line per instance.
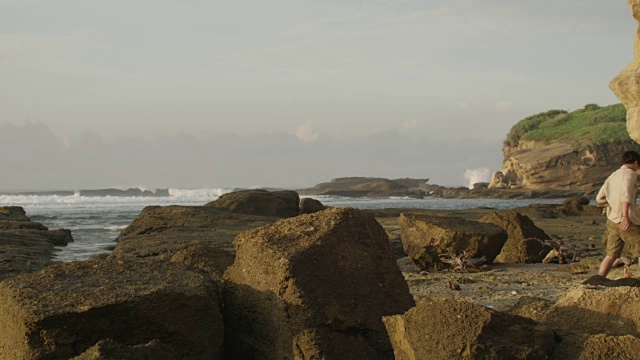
[26, 246]
[111, 350]
[525, 243]
[612, 311]
[626, 85]
[425, 238]
[449, 329]
[198, 233]
[65, 309]
[282, 204]
[315, 286]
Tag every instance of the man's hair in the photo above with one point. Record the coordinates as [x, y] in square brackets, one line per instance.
[630, 157]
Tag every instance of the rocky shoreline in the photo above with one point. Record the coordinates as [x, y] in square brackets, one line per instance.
[420, 188]
[262, 279]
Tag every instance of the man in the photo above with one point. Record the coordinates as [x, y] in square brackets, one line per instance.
[618, 194]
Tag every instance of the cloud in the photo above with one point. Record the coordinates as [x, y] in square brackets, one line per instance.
[464, 106]
[306, 132]
[412, 124]
[502, 106]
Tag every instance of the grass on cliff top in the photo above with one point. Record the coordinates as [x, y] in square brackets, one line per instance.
[593, 124]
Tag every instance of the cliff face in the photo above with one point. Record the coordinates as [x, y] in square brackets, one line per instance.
[626, 85]
[536, 165]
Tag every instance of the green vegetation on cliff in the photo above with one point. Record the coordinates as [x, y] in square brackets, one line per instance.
[593, 124]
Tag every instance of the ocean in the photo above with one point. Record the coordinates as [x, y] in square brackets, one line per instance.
[96, 217]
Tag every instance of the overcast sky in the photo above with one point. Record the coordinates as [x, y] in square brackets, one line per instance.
[197, 93]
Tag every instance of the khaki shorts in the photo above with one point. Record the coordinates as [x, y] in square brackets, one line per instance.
[618, 238]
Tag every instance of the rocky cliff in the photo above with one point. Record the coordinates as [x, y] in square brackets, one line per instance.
[626, 85]
[565, 151]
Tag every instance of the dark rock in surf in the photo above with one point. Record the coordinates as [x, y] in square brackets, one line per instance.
[310, 206]
[282, 204]
[25, 245]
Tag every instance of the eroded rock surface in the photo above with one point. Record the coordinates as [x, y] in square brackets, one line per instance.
[525, 243]
[283, 204]
[450, 329]
[310, 206]
[611, 310]
[626, 85]
[111, 350]
[189, 231]
[425, 238]
[314, 286]
[65, 309]
[26, 246]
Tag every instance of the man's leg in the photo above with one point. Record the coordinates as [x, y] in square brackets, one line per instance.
[614, 245]
[605, 265]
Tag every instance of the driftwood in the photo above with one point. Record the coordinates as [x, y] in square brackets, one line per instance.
[462, 262]
[562, 252]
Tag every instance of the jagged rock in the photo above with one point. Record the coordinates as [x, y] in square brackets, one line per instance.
[525, 243]
[626, 85]
[111, 350]
[310, 206]
[425, 238]
[612, 311]
[25, 245]
[450, 329]
[65, 309]
[282, 204]
[314, 286]
[161, 232]
[498, 181]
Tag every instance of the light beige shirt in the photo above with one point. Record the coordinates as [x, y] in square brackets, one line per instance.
[620, 186]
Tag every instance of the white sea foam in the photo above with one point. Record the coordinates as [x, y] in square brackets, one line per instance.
[473, 176]
[199, 193]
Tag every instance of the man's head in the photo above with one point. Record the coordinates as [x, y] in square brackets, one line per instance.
[631, 158]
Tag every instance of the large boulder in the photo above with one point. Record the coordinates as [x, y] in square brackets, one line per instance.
[282, 204]
[314, 286]
[450, 329]
[426, 237]
[525, 243]
[67, 308]
[626, 85]
[582, 310]
[25, 245]
[310, 206]
[186, 233]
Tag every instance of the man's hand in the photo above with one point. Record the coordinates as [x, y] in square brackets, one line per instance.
[624, 224]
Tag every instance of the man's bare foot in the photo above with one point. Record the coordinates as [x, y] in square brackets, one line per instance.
[625, 276]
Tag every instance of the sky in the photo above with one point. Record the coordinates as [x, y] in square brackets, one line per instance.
[288, 93]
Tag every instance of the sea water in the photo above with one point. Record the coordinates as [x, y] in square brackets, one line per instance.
[95, 221]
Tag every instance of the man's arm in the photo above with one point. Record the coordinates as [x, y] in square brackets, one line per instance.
[624, 224]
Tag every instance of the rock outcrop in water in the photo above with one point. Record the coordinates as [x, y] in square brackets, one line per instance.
[26, 246]
[626, 85]
[284, 204]
[369, 187]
